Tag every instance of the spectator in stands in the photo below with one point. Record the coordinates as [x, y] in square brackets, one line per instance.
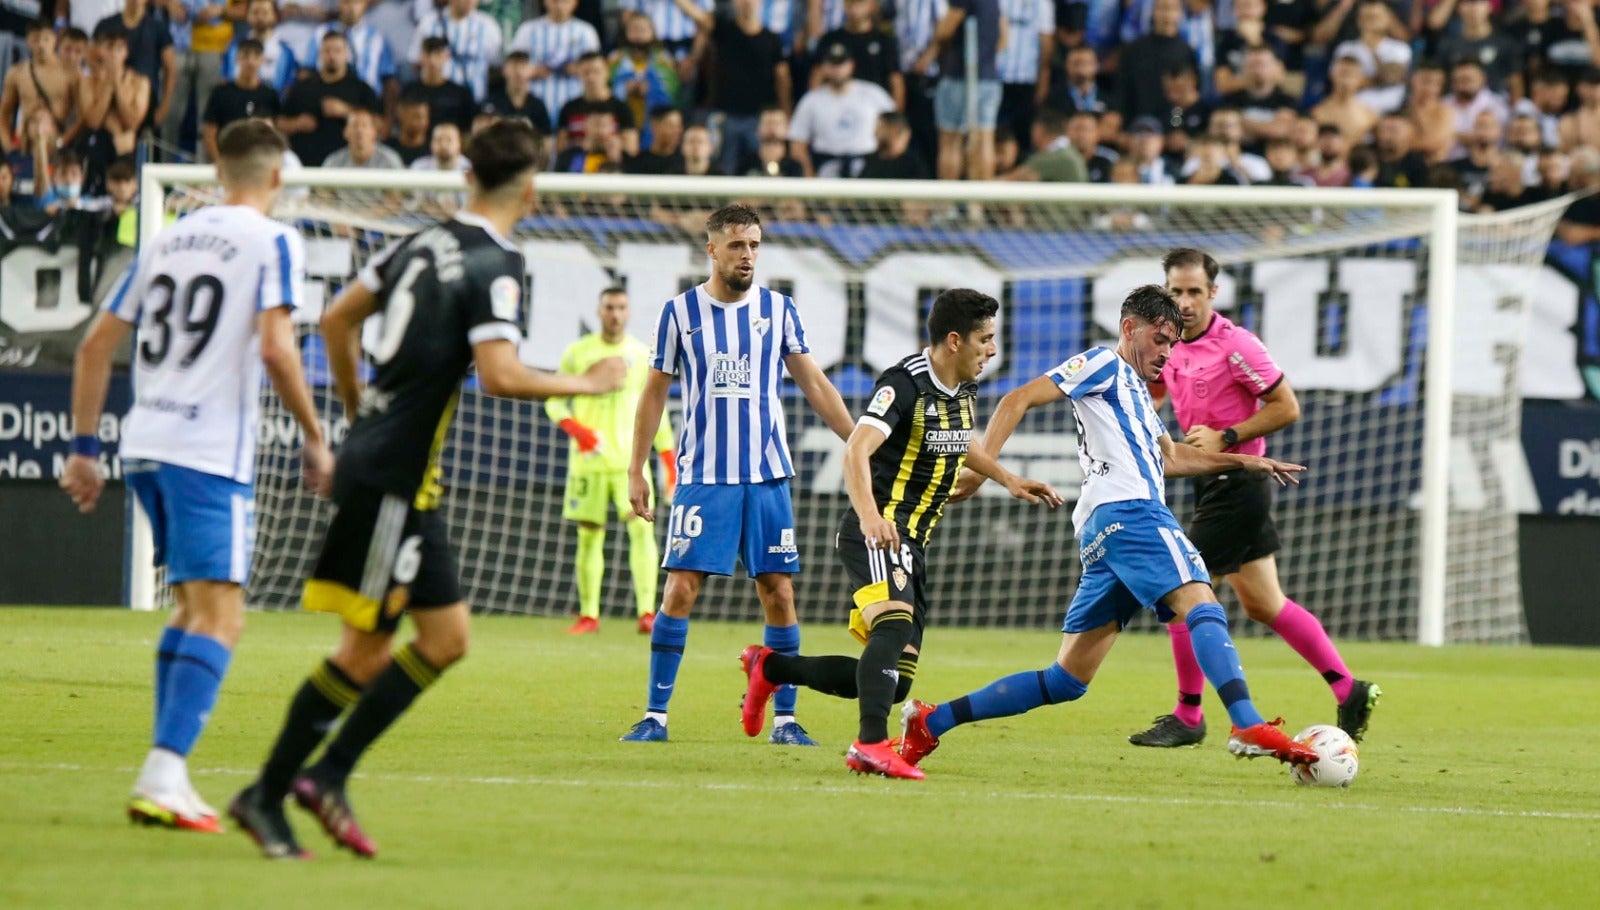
[1482, 150]
[448, 102]
[1581, 127]
[1207, 164]
[148, 37]
[29, 164]
[396, 21]
[556, 44]
[280, 64]
[596, 148]
[1522, 137]
[1384, 61]
[122, 202]
[643, 74]
[298, 21]
[316, 108]
[515, 97]
[44, 82]
[834, 127]
[1157, 53]
[444, 151]
[1146, 152]
[699, 152]
[821, 17]
[200, 35]
[474, 42]
[1553, 169]
[1577, 46]
[74, 50]
[1083, 130]
[678, 23]
[370, 55]
[1363, 167]
[895, 159]
[1267, 109]
[750, 76]
[914, 25]
[1054, 160]
[1470, 96]
[872, 47]
[1547, 100]
[1304, 136]
[1006, 150]
[1478, 40]
[1249, 31]
[1505, 188]
[1433, 122]
[8, 180]
[772, 158]
[1024, 65]
[967, 148]
[1333, 165]
[663, 155]
[1284, 164]
[596, 98]
[1342, 108]
[1187, 113]
[410, 139]
[1398, 164]
[1227, 125]
[243, 97]
[65, 192]
[362, 148]
[113, 104]
[1581, 222]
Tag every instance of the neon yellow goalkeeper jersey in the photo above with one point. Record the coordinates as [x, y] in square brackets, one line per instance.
[609, 415]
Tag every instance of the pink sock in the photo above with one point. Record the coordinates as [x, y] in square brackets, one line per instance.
[1307, 637]
[1191, 679]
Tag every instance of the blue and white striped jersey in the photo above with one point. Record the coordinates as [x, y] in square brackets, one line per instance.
[370, 55]
[1018, 61]
[475, 45]
[1119, 431]
[555, 44]
[279, 65]
[194, 297]
[913, 28]
[780, 18]
[672, 24]
[729, 357]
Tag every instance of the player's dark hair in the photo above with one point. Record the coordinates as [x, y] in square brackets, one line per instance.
[432, 44]
[243, 142]
[733, 215]
[502, 151]
[1052, 120]
[122, 169]
[959, 310]
[73, 33]
[251, 46]
[1152, 304]
[1187, 257]
[613, 291]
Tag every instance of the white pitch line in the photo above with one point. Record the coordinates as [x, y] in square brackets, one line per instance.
[899, 789]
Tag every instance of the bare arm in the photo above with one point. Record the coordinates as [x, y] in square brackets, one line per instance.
[169, 82]
[1328, 28]
[10, 97]
[824, 398]
[1188, 461]
[1279, 409]
[341, 332]
[503, 375]
[1047, 52]
[1574, 233]
[979, 461]
[1007, 415]
[280, 354]
[208, 138]
[702, 18]
[94, 102]
[878, 530]
[783, 85]
[801, 152]
[646, 422]
[91, 375]
[897, 89]
[1439, 16]
[132, 106]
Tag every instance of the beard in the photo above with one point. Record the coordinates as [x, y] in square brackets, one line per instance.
[738, 282]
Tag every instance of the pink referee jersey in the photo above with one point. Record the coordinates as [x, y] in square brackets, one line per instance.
[1217, 379]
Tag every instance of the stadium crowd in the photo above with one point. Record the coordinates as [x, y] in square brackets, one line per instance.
[1499, 99]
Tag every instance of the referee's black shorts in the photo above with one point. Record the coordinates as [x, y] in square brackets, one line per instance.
[1232, 522]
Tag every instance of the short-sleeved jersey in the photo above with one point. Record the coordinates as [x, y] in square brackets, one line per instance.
[1217, 379]
[729, 357]
[441, 290]
[1119, 432]
[609, 415]
[195, 297]
[928, 426]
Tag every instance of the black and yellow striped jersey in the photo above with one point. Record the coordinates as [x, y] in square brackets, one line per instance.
[441, 290]
[928, 428]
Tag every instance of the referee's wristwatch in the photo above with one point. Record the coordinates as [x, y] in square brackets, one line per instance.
[1230, 438]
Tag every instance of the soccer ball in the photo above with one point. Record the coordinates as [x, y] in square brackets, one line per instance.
[1338, 763]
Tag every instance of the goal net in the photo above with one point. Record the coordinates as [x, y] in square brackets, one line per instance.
[1401, 530]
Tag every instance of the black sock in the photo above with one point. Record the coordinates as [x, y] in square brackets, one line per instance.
[831, 675]
[381, 705]
[877, 675]
[908, 675]
[321, 699]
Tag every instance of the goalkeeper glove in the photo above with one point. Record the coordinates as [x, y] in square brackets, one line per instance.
[588, 440]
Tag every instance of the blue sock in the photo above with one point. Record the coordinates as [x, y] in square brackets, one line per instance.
[166, 650]
[666, 652]
[192, 684]
[1213, 648]
[784, 640]
[1014, 694]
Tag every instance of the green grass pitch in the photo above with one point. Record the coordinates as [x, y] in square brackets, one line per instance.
[505, 786]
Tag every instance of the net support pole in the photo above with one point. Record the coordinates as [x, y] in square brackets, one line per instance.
[1437, 401]
[139, 567]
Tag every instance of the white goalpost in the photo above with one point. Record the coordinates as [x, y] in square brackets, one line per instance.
[1399, 323]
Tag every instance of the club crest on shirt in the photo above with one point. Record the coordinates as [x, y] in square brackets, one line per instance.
[760, 326]
[900, 578]
[881, 401]
[1074, 365]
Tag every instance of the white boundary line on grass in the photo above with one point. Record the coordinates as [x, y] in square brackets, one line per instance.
[907, 790]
